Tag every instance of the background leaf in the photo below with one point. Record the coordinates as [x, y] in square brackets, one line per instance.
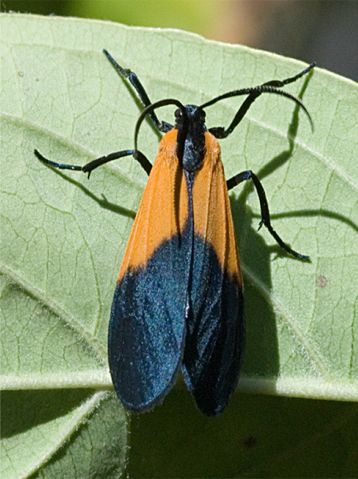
[62, 239]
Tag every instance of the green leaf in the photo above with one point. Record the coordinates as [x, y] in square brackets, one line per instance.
[62, 236]
[256, 436]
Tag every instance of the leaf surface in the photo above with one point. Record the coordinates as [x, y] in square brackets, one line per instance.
[63, 237]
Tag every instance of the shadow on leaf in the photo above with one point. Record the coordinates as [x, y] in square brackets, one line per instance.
[24, 410]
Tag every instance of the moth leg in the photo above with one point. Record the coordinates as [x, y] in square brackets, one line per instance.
[265, 213]
[221, 132]
[92, 165]
[135, 83]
